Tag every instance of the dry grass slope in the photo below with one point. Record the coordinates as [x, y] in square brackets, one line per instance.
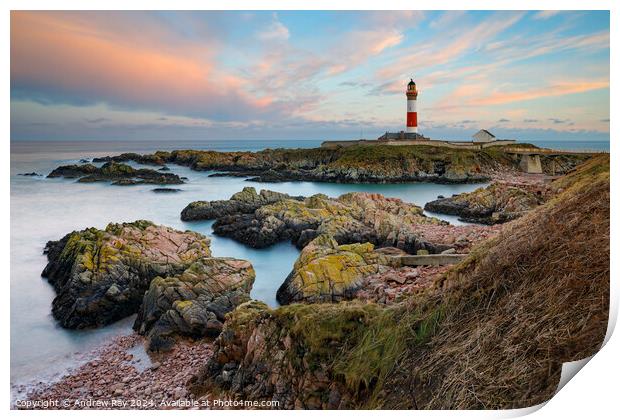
[519, 307]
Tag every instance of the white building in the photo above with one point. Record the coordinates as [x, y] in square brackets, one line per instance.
[483, 136]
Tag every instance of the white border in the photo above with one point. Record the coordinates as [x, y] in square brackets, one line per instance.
[593, 394]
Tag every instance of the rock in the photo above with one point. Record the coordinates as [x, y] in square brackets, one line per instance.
[164, 168]
[100, 276]
[328, 272]
[179, 393]
[30, 174]
[284, 354]
[421, 252]
[245, 201]
[500, 202]
[449, 251]
[158, 158]
[195, 302]
[117, 173]
[351, 218]
[166, 190]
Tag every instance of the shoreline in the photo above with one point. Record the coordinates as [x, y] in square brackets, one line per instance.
[123, 375]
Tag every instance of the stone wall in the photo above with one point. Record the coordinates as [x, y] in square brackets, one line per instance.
[332, 144]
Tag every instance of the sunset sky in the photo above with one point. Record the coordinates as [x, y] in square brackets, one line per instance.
[307, 75]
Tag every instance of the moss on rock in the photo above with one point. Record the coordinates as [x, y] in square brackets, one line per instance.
[194, 302]
[83, 267]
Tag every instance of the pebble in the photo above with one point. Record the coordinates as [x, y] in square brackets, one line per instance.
[109, 375]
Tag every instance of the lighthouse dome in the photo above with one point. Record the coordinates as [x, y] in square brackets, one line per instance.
[411, 85]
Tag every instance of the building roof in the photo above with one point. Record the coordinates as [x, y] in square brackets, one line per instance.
[485, 131]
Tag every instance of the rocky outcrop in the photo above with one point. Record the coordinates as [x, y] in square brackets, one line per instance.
[157, 159]
[351, 218]
[117, 173]
[194, 302]
[245, 201]
[285, 355]
[100, 276]
[496, 203]
[328, 272]
[369, 164]
[166, 190]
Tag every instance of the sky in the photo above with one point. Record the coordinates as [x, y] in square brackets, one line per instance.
[524, 75]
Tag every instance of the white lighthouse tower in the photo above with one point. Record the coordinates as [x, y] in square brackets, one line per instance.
[412, 110]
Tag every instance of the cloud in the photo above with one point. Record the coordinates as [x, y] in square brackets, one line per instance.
[503, 120]
[447, 19]
[559, 120]
[56, 58]
[530, 120]
[398, 19]
[96, 120]
[521, 48]
[451, 44]
[276, 31]
[558, 89]
[546, 14]
[358, 46]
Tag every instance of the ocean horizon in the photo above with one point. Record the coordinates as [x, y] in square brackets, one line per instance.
[146, 146]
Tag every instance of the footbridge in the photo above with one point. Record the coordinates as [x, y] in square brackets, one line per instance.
[530, 156]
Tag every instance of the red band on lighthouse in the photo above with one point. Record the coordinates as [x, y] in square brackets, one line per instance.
[412, 119]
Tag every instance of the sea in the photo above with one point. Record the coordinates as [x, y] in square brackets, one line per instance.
[45, 209]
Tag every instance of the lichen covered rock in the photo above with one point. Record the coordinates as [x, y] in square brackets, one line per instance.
[286, 354]
[328, 272]
[100, 276]
[351, 218]
[245, 201]
[194, 302]
[496, 203]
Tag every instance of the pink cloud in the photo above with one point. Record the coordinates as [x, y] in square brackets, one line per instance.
[56, 52]
[559, 89]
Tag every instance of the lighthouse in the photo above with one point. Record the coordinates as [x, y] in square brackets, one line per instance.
[412, 110]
